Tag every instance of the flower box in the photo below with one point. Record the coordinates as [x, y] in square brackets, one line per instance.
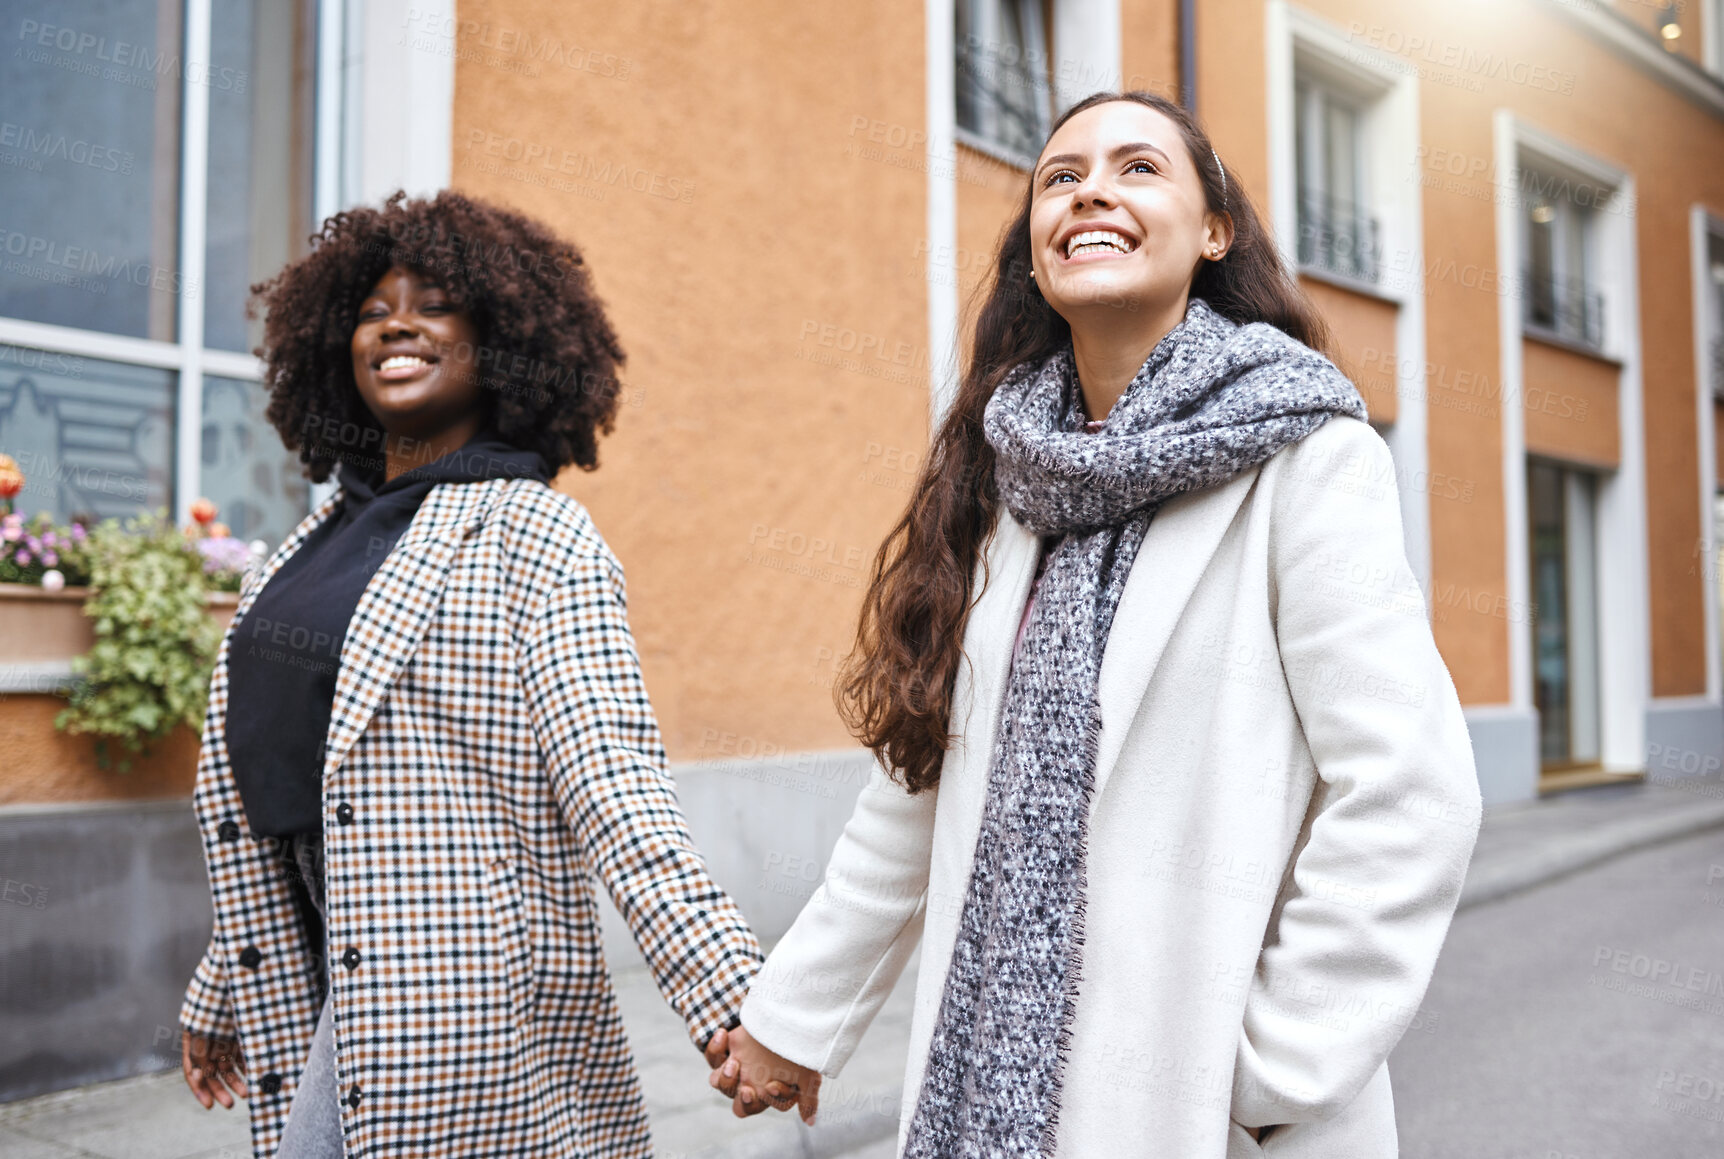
[41, 631]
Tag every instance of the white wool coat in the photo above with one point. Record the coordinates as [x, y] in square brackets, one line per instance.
[1284, 807]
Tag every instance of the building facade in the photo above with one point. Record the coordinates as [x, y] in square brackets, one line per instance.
[1511, 214]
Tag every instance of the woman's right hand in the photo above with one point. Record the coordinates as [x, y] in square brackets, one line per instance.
[212, 1066]
[755, 1078]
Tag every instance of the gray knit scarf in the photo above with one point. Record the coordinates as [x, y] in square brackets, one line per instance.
[1213, 399]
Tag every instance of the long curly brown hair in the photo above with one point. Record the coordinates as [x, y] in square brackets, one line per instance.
[546, 351]
[895, 689]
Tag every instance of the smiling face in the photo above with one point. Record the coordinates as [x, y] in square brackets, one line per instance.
[414, 351]
[1118, 217]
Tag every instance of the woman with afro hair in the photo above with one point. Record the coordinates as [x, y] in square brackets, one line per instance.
[427, 731]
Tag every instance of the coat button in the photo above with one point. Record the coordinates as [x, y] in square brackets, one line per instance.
[250, 957]
[271, 1083]
[351, 958]
[228, 831]
[344, 813]
[353, 1097]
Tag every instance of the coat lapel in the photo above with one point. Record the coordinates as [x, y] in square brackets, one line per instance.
[396, 609]
[1176, 550]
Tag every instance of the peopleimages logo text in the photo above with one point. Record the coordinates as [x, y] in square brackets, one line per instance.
[49, 252]
[124, 54]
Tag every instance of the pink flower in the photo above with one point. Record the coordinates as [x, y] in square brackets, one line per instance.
[50, 558]
[22, 559]
[78, 533]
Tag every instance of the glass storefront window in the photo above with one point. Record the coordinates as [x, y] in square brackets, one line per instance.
[90, 165]
[256, 485]
[93, 438]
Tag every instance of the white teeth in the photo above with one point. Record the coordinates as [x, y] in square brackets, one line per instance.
[399, 361]
[1099, 237]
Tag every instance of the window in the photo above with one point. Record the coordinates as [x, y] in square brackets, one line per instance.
[1004, 96]
[102, 332]
[1337, 233]
[1715, 310]
[1562, 522]
[1560, 298]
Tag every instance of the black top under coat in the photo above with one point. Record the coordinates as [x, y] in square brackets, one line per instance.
[284, 656]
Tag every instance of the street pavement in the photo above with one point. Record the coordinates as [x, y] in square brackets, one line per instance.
[1577, 1012]
[1581, 1019]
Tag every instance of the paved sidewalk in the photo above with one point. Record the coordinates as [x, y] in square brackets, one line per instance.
[154, 1117]
[1532, 842]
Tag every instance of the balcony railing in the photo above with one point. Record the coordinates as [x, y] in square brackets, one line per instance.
[1565, 307]
[1338, 236]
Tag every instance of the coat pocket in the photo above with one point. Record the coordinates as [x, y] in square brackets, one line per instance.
[514, 947]
[1240, 1144]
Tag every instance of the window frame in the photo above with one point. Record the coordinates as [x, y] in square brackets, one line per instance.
[187, 355]
[1319, 81]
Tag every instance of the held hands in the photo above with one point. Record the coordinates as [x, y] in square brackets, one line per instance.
[212, 1066]
[755, 1078]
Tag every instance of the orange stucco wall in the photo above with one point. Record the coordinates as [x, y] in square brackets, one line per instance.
[1363, 328]
[1570, 403]
[767, 287]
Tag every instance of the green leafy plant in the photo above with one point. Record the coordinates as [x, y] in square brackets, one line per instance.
[155, 641]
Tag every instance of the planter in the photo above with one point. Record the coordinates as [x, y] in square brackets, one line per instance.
[41, 631]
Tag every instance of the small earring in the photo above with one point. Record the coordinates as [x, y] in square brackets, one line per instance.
[1032, 275]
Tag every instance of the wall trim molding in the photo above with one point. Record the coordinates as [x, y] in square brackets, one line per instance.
[1677, 72]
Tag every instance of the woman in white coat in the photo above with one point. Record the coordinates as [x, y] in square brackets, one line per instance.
[1174, 786]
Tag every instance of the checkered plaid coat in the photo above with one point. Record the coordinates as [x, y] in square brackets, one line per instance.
[491, 751]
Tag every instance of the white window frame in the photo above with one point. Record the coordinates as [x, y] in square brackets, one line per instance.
[1706, 230]
[1712, 35]
[1087, 46]
[1300, 43]
[383, 120]
[186, 355]
[1625, 618]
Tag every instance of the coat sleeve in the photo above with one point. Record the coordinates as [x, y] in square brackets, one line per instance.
[829, 975]
[595, 727]
[1373, 884]
[206, 1009]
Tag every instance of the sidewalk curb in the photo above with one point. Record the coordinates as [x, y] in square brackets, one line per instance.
[1580, 850]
